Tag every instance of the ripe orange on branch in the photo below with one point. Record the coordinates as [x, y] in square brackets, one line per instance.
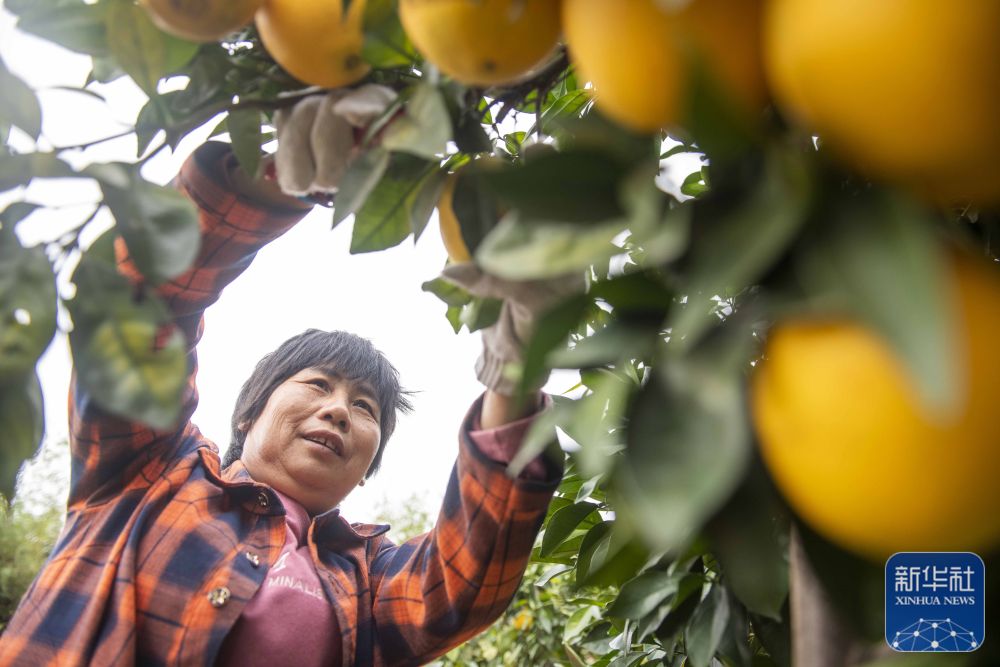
[201, 20]
[640, 55]
[314, 40]
[482, 42]
[855, 451]
[451, 230]
[906, 91]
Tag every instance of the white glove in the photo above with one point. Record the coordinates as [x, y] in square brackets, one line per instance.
[317, 137]
[523, 302]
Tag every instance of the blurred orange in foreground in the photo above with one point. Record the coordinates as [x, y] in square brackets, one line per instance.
[906, 91]
[640, 55]
[858, 456]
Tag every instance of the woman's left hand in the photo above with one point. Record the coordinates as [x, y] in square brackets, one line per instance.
[523, 302]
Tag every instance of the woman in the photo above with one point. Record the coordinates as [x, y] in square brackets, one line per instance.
[170, 557]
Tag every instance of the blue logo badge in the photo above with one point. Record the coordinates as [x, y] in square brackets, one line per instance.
[935, 601]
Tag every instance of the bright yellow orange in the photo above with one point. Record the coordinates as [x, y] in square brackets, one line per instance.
[314, 40]
[482, 42]
[451, 230]
[201, 20]
[860, 457]
[640, 55]
[906, 91]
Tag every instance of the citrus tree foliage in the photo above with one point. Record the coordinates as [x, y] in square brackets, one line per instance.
[666, 511]
[25, 542]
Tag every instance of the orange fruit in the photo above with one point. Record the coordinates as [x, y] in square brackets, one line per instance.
[201, 20]
[314, 40]
[451, 230]
[482, 42]
[905, 91]
[855, 451]
[639, 55]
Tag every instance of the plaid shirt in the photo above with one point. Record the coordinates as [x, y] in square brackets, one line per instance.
[162, 550]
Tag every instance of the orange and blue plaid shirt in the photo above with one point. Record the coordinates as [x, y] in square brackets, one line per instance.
[162, 550]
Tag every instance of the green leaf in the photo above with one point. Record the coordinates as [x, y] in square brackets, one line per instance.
[552, 329]
[105, 69]
[881, 261]
[144, 51]
[384, 220]
[718, 123]
[470, 137]
[736, 246]
[705, 629]
[480, 313]
[18, 105]
[246, 137]
[642, 595]
[563, 523]
[609, 556]
[687, 449]
[16, 170]
[127, 356]
[15, 213]
[605, 345]
[525, 249]
[27, 305]
[569, 105]
[513, 142]
[159, 226]
[425, 200]
[153, 117]
[359, 180]
[22, 416]
[573, 186]
[749, 538]
[694, 184]
[448, 292]
[541, 435]
[675, 612]
[425, 129]
[386, 45]
[475, 207]
[76, 26]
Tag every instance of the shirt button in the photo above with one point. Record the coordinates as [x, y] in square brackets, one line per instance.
[218, 597]
[262, 499]
[253, 558]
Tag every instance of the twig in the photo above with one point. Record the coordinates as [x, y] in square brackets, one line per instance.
[88, 144]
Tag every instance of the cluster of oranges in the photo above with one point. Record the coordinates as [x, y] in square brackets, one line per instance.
[905, 92]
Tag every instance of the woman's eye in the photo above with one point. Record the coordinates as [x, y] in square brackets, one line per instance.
[322, 384]
[366, 405]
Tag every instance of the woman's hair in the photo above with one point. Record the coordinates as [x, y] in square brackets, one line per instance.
[336, 352]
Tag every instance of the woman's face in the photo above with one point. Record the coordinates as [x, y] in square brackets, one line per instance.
[315, 439]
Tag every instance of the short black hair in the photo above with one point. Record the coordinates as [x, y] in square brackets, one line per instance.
[335, 352]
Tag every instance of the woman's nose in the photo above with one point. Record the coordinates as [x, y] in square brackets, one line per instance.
[335, 411]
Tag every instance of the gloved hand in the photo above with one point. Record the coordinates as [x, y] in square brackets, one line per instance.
[318, 137]
[523, 302]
